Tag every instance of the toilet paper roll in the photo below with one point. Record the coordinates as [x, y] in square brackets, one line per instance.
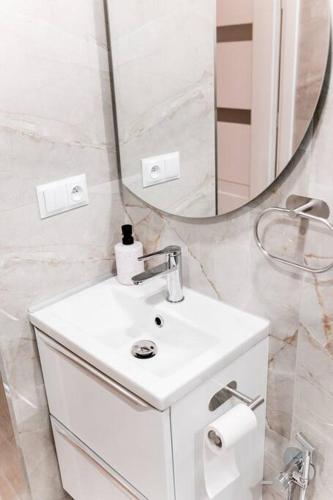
[230, 428]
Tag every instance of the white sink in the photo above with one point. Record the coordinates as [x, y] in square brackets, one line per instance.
[199, 336]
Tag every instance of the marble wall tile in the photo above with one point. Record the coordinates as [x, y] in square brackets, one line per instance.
[275, 446]
[13, 484]
[69, 251]
[313, 397]
[314, 379]
[270, 494]
[55, 121]
[312, 59]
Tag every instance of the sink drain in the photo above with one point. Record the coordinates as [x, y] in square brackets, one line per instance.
[144, 349]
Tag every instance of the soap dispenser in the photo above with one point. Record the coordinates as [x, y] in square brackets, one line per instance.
[127, 253]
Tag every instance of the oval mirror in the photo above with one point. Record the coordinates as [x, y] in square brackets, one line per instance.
[213, 97]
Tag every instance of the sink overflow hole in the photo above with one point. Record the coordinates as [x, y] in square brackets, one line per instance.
[159, 321]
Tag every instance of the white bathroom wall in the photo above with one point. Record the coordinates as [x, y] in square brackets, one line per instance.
[55, 121]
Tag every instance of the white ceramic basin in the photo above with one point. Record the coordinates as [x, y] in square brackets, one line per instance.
[199, 335]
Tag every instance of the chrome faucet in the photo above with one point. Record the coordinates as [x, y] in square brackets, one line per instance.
[300, 469]
[172, 268]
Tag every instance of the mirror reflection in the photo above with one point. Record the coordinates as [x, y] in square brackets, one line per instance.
[213, 97]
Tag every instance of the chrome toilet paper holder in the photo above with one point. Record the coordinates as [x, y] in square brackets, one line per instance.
[230, 390]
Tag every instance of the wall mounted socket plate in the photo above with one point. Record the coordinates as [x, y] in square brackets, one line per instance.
[160, 169]
[60, 196]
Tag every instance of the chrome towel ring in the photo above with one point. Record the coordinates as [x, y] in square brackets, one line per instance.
[305, 208]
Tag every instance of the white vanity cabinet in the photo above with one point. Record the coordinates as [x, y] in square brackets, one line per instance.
[122, 431]
[113, 445]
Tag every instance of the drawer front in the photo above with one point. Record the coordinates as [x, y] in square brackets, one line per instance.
[84, 475]
[127, 433]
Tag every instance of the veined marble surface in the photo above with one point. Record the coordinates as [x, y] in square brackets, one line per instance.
[311, 61]
[313, 399]
[56, 120]
[13, 483]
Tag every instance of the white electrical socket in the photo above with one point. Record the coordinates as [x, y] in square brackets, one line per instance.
[159, 169]
[63, 195]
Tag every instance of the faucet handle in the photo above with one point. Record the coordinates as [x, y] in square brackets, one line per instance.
[170, 251]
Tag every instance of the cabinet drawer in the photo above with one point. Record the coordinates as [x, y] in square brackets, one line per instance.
[127, 433]
[84, 475]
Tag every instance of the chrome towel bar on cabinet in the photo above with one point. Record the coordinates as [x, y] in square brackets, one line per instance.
[297, 206]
